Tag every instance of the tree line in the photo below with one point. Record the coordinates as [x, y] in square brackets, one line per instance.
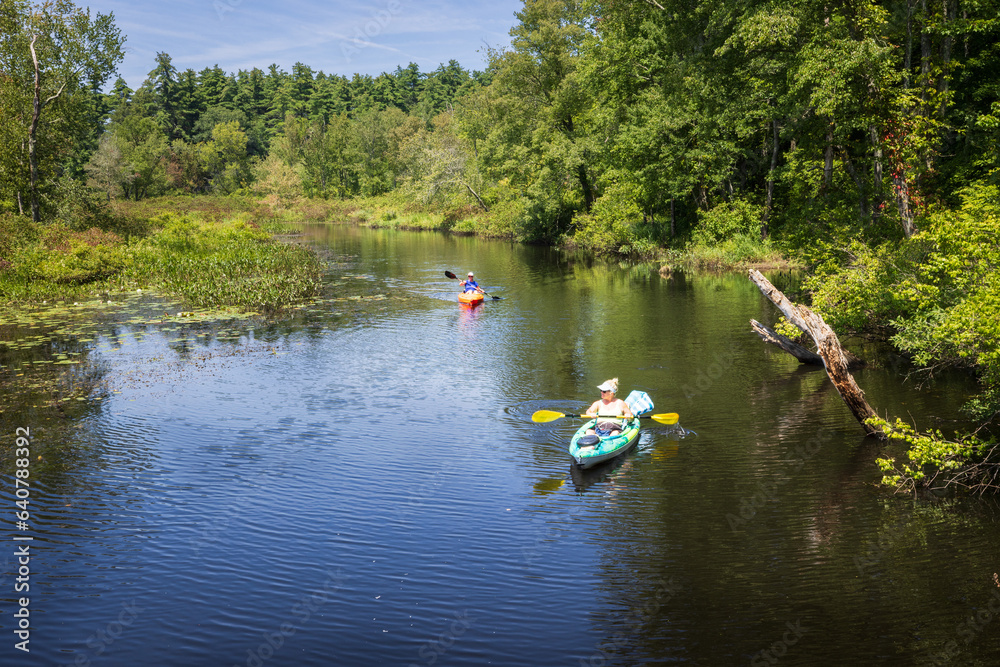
[212, 131]
[641, 118]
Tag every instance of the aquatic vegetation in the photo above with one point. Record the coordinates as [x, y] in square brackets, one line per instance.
[207, 262]
[234, 264]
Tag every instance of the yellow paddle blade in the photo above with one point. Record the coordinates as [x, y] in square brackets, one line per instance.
[543, 416]
[666, 417]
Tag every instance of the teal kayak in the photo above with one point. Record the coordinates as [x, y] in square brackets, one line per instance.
[588, 455]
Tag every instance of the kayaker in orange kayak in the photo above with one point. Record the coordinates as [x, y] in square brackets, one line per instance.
[609, 406]
[471, 285]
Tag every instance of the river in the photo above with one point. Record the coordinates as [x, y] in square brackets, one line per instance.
[360, 483]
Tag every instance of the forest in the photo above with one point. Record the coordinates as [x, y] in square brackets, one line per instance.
[858, 138]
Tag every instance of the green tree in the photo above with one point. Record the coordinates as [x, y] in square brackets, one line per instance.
[225, 158]
[330, 158]
[54, 58]
[145, 151]
[409, 82]
[438, 164]
[161, 83]
[530, 128]
[215, 88]
[329, 97]
[302, 86]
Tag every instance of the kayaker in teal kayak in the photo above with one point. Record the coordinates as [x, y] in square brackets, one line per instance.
[470, 284]
[609, 406]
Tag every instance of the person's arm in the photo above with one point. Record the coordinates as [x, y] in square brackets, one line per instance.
[592, 410]
[627, 411]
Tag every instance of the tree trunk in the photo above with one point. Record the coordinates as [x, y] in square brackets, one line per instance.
[36, 112]
[903, 202]
[588, 191]
[925, 56]
[859, 183]
[476, 195]
[946, 43]
[673, 220]
[770, 181]
[828, 161]
[908, 52]
[771, 336]
[877, 175]
[828, 348]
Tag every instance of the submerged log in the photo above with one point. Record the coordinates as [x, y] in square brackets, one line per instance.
[828, 349]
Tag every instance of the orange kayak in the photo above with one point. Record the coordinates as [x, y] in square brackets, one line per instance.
[470, 298]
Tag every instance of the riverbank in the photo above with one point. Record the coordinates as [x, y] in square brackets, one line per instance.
[391, 211]
[209, 252]
[221, 250]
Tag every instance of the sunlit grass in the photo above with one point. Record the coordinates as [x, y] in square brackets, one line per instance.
[203, 257]
[736, 253]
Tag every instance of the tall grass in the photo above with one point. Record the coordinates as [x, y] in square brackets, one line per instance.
[736, 252]
[233, 263]
[208, 261]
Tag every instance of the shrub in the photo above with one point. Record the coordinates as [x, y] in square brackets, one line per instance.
[730, 220]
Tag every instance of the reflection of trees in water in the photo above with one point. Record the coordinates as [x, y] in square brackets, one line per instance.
[877, 564]
[797, 562]
[641, 587]
[42, 382]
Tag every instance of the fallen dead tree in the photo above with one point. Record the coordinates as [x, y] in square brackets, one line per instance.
[828, 351]
[967, 465]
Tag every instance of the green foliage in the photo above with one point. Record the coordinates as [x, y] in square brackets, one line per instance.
[787, 329]
[225, 158]
[939, 291]
[507, 214]
[529, 128]
[736, 218]
[862, 294]
[80, 261]
[229, 263]
[275, 180]
[934, 462]
[17, 233]
[53, 255]
[610, 227]
[47, 129]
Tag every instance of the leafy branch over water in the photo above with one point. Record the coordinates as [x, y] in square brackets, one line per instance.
[939, 464]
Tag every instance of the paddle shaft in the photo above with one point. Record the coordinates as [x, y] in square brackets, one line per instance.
[542, 416]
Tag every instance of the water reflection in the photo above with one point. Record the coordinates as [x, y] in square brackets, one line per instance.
[468, 315]
[242, 464]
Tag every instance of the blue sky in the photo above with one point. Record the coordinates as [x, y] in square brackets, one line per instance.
[366, 36]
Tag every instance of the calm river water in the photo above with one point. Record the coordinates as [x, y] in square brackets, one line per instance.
[361, 484]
